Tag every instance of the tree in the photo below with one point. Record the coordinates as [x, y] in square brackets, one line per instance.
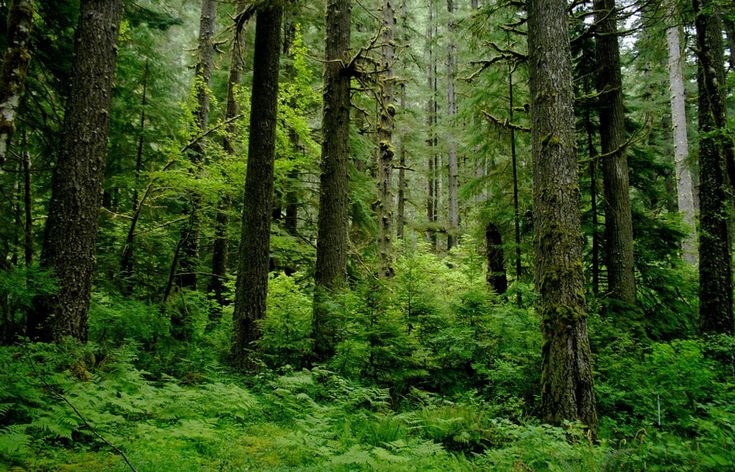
[14, 69]
[251, 287]
[618, 220]
[566, 379]
[331, 249]
[453, 181]
[715, 250]
[71, 228]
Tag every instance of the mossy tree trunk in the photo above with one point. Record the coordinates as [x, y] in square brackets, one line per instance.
[566, 379]
[715, 253]
[252, 276]
[71, 228]
[331, 250]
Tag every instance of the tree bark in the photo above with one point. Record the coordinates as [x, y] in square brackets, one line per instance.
[71, 228]
[566, 380]
[516, 214]
[496, 276]
[27, 205]
[186, 277]
[252, 277]
[14, 69]
[684, 183]
[453, 178]
[618, 219]
[430, 128]
[715, 250]
[402, 183]
[331, 249]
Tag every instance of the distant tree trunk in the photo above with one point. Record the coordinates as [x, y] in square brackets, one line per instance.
[252, 276]
[496, 277]
[71, 228]
[715, 253]
[331, 249]
[618, 219]
[566, 378]
[186, 277]
[221, 242]
[27, 205]
[453, 179]
[14, 69]
[592, 154]
[385, 142]
[402, 184]
[430, 125]
[516, 214]
[684, 183]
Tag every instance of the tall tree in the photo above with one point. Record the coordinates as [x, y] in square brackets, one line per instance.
[453, 180]
[715, 250]
[331, 249]
[71, 228]
[618, 219]
[189, 243]
[566, 379]
[684, 182]
[251, 287]
[402, 182]
[14, 69]
[431, 216]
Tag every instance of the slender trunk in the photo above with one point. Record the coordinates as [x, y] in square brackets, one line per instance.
[252, 278]
[385, 142]
[496, 277]
[715, 250]
[684, 183]
[516, 214]
[331, 250]
[27, 205]
[186, 277]
[618, 219]
[71, 228]
[566, 379]
[453, 179]
[430, 120]
[592, 153]
[14, 69]
[402, 184]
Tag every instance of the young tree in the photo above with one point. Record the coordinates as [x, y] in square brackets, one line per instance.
[331, 249]
[14, 69]
[715, 250]
[252, 276]
[71, 228]
[618, 219]
[566, 379]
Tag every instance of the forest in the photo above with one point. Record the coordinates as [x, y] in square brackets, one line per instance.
[367, 235]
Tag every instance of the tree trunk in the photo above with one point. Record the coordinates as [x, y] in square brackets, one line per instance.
[252, 277]
[684, 184]
[430, 128]
[71, 228]
[222, 220]
[618, 220]
[402, 184]
[496, 277]
[385, 142]
[189, 258]
[516, 214]
[566, 378]
[331, 249]
[27, 205]
[715, 253]
[592, 154]
[453, 179]
[15, 69]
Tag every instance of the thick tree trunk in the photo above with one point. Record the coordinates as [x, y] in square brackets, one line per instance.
[715, 253]
[71, 228]
[684, 182]
[566, 379]
[252, 277]
[14, 69]
[618, 219]
[385, 142]
[186, 276]
[496, 277]
[453, 177]
[331, 249]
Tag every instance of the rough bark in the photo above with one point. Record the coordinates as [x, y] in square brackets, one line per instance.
[386, 151]
[566, 379]
[715, 253]
[71, 228]
[496, 277]
[186, 277]
[592, 154]
[252, 277]
[14, 69]
[402, 183]
[684, 182]
[331, 249]
[453, 177]
[618, 219]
